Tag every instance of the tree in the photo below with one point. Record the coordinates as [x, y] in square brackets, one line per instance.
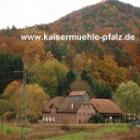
[58, 50]
[122, 58]
[102, 91]
[79, 84]
[3, 48]
[33, 50]
[79, 61]
[99, 89]
[5, 107]
[51, 75]
[98, 118]
[8, 65]
[127, 96]
[35, 98]
[71, 76]
[111, 72]
[11, 88]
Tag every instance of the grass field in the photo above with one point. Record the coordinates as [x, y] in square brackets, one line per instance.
[8, 129]
[100, 132]
[72, 132]
[74, 136]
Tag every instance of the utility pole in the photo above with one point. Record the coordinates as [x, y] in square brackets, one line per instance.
[24, 105]
[23, 114]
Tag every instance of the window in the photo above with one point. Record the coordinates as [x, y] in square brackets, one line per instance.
[50, 119]
[43, 118]
[46, 119]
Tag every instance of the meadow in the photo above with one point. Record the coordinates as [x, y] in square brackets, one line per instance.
[71, 132]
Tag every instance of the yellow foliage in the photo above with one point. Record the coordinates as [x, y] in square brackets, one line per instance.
[31, 98]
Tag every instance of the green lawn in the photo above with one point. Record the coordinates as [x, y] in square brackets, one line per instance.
[77, 132]
[76, 136]
[8, 129]
[83, 135]
[111, 129]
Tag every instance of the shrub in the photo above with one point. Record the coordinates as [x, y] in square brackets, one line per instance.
[96, 119]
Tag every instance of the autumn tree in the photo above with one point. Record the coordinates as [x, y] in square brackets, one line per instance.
[79, 61]
[3, 48]
[33, 50]
[35, 98]
[6, 109]
[111, 72]
[107, 70]
[11, 88]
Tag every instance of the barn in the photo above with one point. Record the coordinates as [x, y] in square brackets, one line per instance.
[79, 108]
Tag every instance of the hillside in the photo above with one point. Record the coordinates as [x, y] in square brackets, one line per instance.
[107, 64]
[116, 15]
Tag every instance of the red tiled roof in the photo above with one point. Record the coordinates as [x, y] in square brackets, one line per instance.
[77, 93]
[53, 102]
[62, 104]
[105, 106]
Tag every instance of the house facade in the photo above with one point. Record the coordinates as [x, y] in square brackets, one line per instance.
[78, 108]
[85, 112]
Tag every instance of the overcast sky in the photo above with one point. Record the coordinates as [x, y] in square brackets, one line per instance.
[23, 13]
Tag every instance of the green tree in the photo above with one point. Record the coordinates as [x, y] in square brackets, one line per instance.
[99, 89]
[128, 97]
[58, 50]
[71, 76]
[51, 75]
[9, 63]
[96, 119]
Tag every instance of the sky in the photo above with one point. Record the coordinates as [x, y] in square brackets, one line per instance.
[22, 13]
